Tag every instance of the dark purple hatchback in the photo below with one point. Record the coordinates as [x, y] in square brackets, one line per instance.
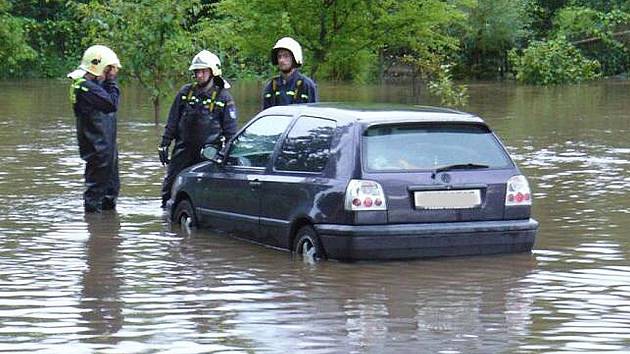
[362, 182]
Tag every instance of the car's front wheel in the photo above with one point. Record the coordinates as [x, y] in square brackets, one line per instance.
[185, 215]
[307, 245]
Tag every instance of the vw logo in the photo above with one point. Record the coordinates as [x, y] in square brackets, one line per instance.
[445, 177]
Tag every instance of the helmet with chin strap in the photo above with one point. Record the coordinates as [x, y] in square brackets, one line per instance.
[292, 46]
[206, 60]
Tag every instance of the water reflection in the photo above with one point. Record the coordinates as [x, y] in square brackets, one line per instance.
[101, 284]
[126, 283]
[272, 301]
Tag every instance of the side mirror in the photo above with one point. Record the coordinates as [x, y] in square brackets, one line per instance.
[211, 153]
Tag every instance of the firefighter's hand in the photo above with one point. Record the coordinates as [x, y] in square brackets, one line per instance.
[163, 152]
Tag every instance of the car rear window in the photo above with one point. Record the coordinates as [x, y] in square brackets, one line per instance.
[427, 146]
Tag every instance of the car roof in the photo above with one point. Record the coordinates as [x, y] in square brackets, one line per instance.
[376, 113]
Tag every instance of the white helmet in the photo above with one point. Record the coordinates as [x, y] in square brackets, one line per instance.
[289, 44]
[95, 59]
[206, 60]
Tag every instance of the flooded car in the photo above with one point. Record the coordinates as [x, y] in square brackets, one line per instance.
[355, 182]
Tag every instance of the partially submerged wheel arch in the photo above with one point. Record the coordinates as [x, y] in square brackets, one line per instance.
[308, 245]
[178, 198]
[295, 227]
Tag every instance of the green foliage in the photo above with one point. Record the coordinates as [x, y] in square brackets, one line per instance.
[419, 28]
[420, 33]
[494, 27]
[579, 22]
[601, 5]
[354, 40]
[14, 50]
[594, 31]
[51, 30]
[450, 94]
[553, 62]
[342, 40]
[439, 80]
[499, 24]
[57, 45]
[575, 22]
[542, 13]
[150, 37]
[330, 32]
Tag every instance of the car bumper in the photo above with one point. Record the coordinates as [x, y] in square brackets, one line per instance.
[358, 242]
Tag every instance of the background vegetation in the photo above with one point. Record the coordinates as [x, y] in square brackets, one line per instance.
[431, 41]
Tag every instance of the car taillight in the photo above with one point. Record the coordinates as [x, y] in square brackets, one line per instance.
[518, 192]
[364, 195]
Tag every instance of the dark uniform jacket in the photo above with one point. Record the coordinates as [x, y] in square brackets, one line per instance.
[198, 116]
[297, 88]
[200, 113]
[94, 106]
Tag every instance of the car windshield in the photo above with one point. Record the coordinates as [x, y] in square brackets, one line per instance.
[430, 146]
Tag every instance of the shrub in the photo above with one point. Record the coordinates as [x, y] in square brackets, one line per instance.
[450, 94]
[553, 62]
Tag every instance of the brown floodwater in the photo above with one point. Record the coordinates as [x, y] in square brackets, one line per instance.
[125, 282]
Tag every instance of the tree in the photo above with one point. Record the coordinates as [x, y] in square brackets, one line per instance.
[13, 47]
[494, 27]
[601, 5]
[542, 13]
[332, 33]
[53, 32]
[342, 39]
[421, 33]
[594, 32]
[553, 62]
[151, 37]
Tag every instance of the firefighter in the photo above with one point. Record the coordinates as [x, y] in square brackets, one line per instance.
[290, 86]
[201, 112]
[94, 95]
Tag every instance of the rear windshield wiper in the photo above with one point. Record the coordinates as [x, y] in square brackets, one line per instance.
[458, 166]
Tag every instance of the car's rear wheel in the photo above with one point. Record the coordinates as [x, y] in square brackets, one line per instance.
[185, 215]
[307, 245]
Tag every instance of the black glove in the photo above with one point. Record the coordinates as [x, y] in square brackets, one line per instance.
[163, 152]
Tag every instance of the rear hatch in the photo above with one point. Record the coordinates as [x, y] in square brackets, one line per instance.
[437, 171]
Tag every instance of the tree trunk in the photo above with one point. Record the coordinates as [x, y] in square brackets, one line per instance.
[415, 73]
[596, 39]
[314, 68]
[381, 66]
[156, 110]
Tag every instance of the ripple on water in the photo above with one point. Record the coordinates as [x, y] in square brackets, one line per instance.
[126, 282]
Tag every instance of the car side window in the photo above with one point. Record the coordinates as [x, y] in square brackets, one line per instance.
[254, 146]
[307, 145]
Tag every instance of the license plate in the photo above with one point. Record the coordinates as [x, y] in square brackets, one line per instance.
[454, 199]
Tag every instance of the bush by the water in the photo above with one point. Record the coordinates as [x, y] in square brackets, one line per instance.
[553, 62]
